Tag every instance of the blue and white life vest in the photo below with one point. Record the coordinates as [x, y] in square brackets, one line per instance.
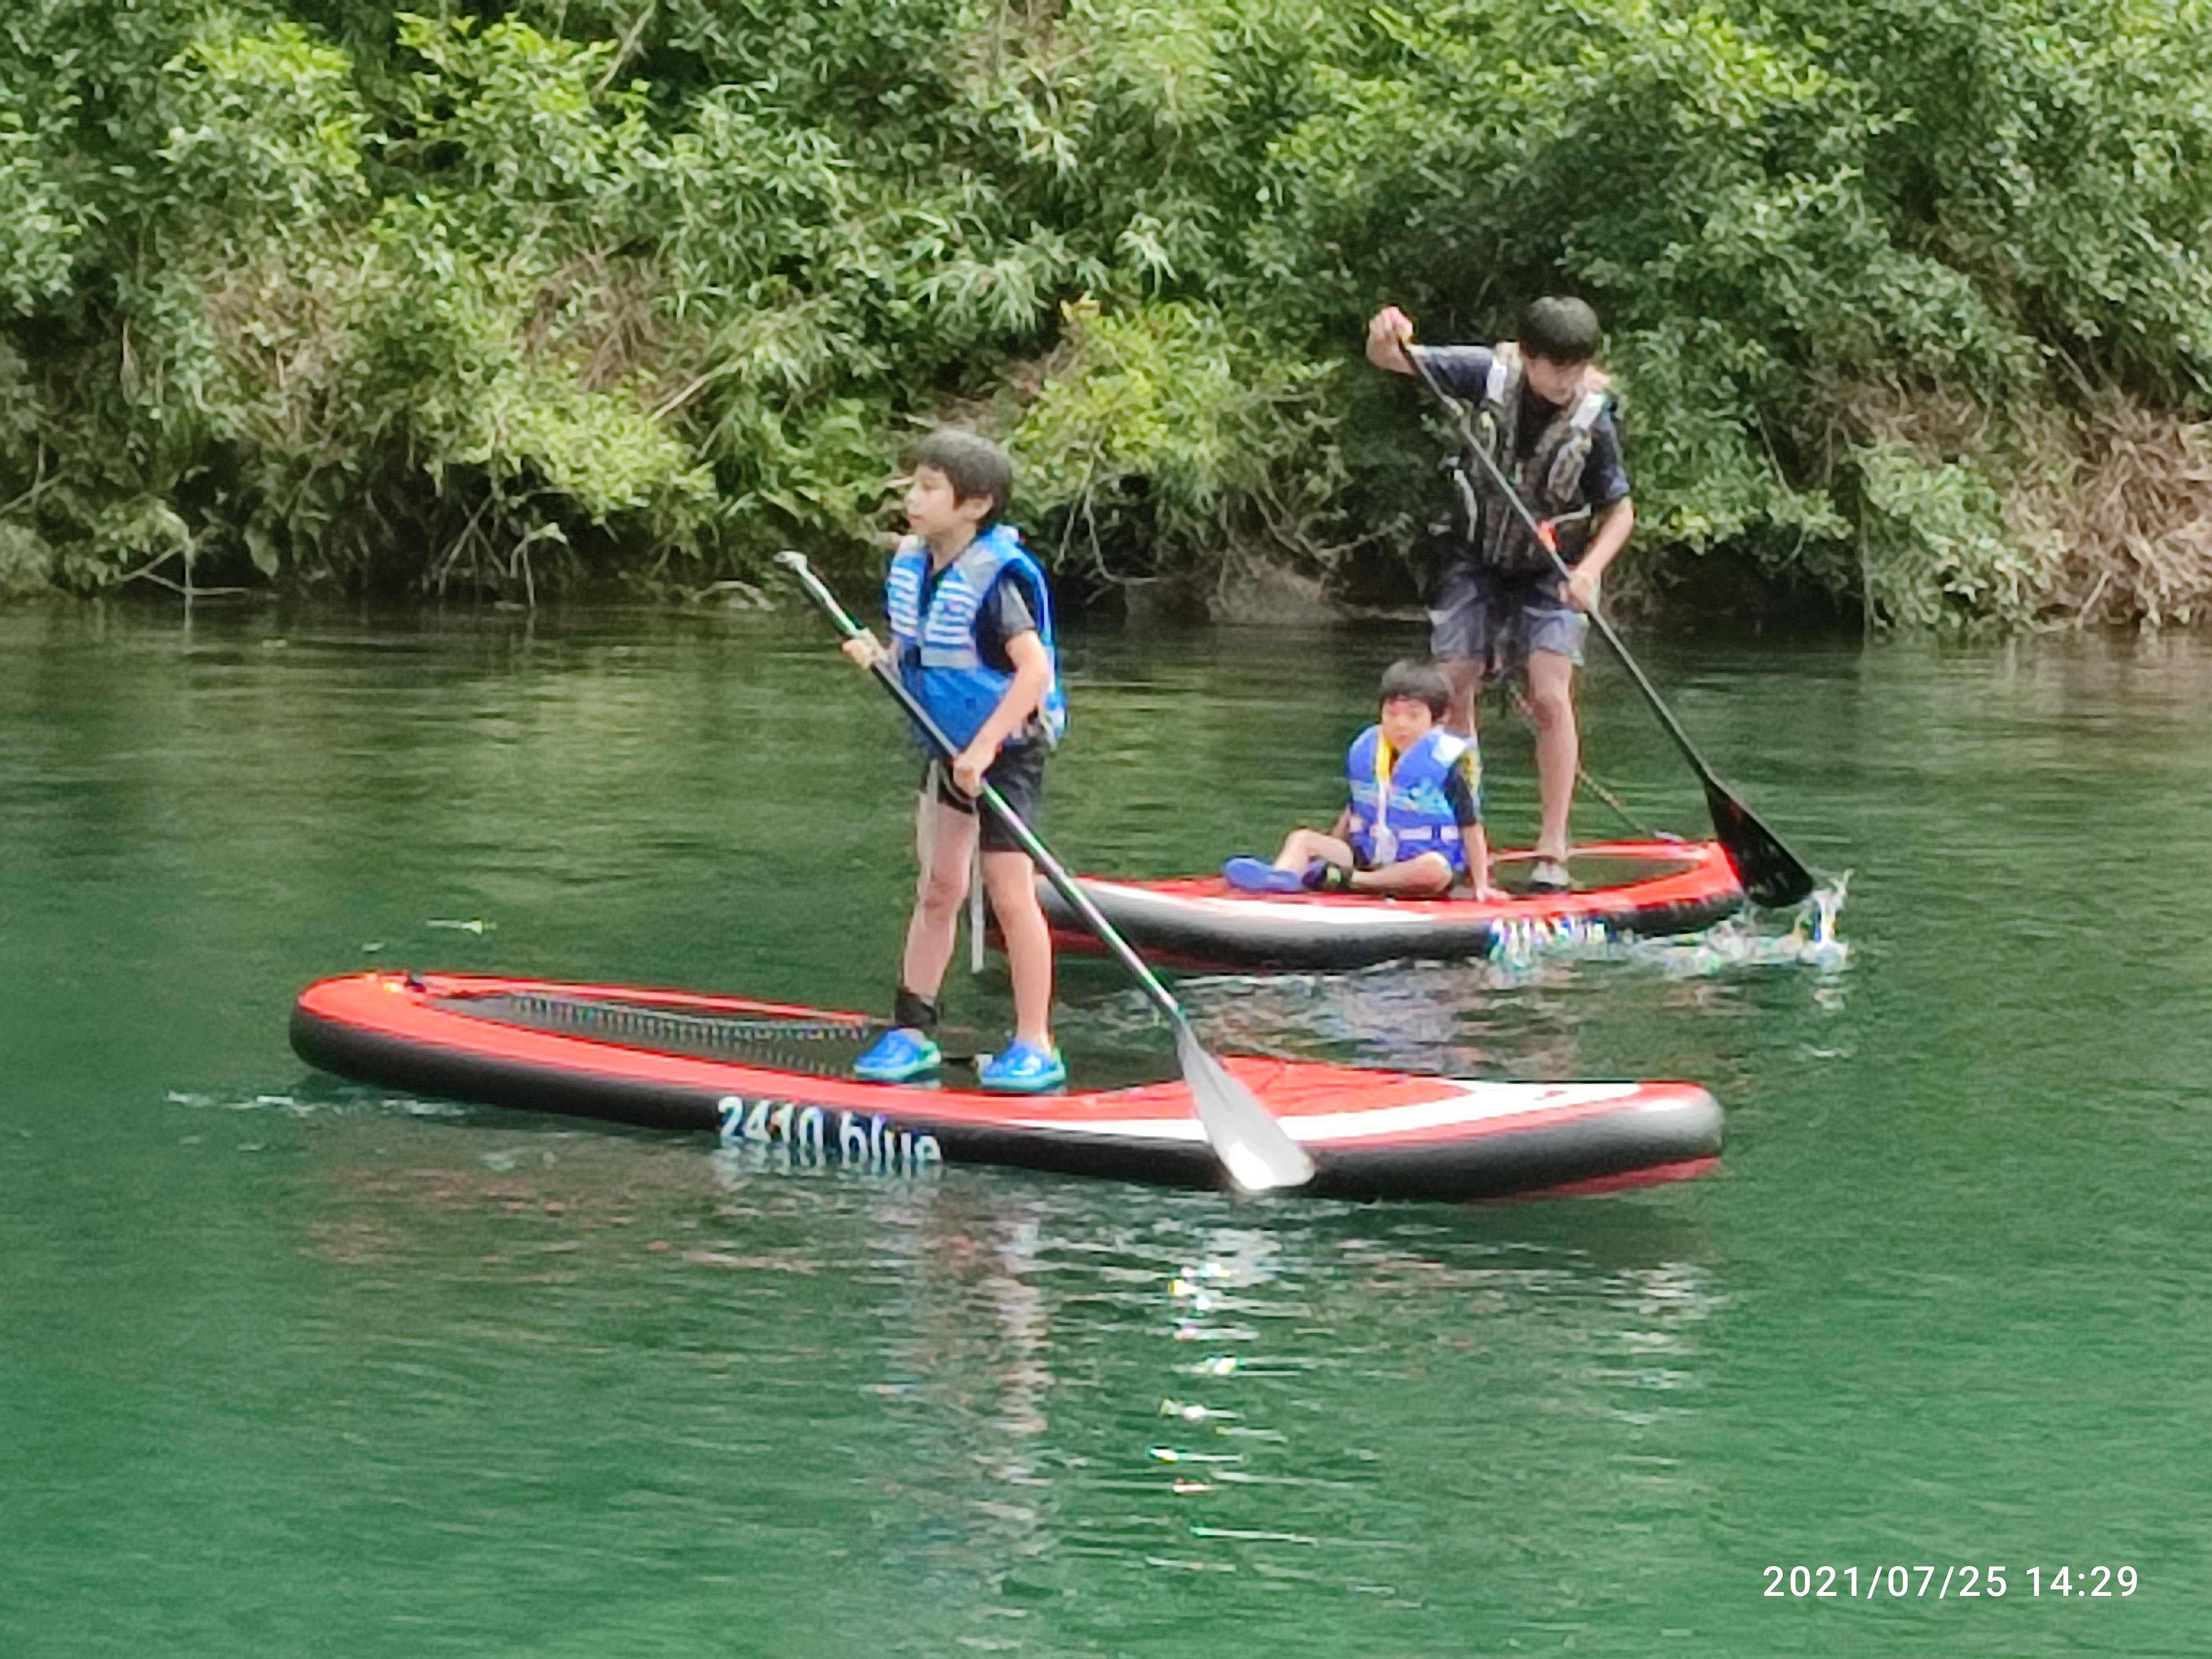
[938, 655]
[1400, 811]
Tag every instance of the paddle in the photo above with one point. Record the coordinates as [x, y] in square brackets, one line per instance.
[1771, 873]
[1257, 1151]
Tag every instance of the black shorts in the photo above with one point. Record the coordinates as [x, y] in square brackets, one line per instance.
[1018, 775]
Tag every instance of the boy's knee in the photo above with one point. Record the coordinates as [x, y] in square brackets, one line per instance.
[1434, 872]
[942, 890]
[1553, 706]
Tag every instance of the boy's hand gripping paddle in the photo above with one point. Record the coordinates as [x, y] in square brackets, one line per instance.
[1771, 873]
[1255, 1150]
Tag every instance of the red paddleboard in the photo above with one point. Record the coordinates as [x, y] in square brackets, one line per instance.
[1620, 888]
[777, 1076]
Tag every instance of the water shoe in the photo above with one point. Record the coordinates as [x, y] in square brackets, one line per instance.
[1022, 1070]
[899, 1056]
[1550, 876]
[1258, 875]
[1322, 877]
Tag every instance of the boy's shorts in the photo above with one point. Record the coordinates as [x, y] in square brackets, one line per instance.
[1018, 775]
[1477, 617]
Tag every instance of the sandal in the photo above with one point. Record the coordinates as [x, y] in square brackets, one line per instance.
[1550, 876]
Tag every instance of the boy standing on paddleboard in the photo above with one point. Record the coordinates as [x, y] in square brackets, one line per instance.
[972, 639]
[1543, 411]
[1413, 825]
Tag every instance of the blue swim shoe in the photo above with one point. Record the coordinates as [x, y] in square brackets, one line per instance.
[899, 1056]
[1022, 1070]
[1258, 875]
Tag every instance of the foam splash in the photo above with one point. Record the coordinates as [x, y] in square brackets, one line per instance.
[1811, 939]
[323, 1098]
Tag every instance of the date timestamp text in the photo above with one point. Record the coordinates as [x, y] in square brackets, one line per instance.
[1902, 1583]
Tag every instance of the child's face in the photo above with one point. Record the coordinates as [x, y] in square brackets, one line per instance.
[1405, 722]
[1553, 382]
[934, 508]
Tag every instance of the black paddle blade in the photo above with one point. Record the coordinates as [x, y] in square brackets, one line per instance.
[1770, 871]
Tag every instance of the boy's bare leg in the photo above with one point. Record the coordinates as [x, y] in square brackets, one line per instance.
[1430, 872]
[1301, 847]
[1010, 878]
[945, 843]
[1465, 674]
[1559, 745]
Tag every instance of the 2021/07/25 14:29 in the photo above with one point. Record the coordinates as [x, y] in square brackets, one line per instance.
[1826, 1582]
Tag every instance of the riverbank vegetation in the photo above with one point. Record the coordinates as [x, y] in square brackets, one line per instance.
[1909, 301]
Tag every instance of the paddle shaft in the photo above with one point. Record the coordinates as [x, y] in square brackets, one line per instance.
[1065, 884]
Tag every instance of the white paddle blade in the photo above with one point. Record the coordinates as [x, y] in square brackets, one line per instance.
[1252, 1146]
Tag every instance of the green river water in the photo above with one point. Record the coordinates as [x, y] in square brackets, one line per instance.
[290, 1366]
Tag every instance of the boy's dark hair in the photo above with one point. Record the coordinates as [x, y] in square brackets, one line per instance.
[972, 464]
[1562, 330]
[1423, 682]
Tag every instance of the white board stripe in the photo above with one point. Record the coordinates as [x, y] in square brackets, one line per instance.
[1473, 1103]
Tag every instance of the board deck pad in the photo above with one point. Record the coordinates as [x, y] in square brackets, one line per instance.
[1594, 872]
[815, 1046]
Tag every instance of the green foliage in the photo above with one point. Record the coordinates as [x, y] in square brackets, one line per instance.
[26, 563]
[36, 227]
[1934, 546]
[321, 290]
[268, 132]
[2058, 153]
[1160, 435]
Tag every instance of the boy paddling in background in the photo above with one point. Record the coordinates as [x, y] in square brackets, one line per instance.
[1413, 825]
[1541, 410]
[972, 638]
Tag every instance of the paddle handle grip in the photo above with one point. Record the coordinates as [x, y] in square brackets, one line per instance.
[1065, 884]
[796, 563]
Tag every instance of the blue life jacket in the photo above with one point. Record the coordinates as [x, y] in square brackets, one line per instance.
[938, 655]
[1407, 813]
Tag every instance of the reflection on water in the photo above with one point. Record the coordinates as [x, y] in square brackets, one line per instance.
[1053, 1389]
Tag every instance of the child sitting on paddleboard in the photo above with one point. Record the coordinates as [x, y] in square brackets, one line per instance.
[1414, 826]
[971, 631]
